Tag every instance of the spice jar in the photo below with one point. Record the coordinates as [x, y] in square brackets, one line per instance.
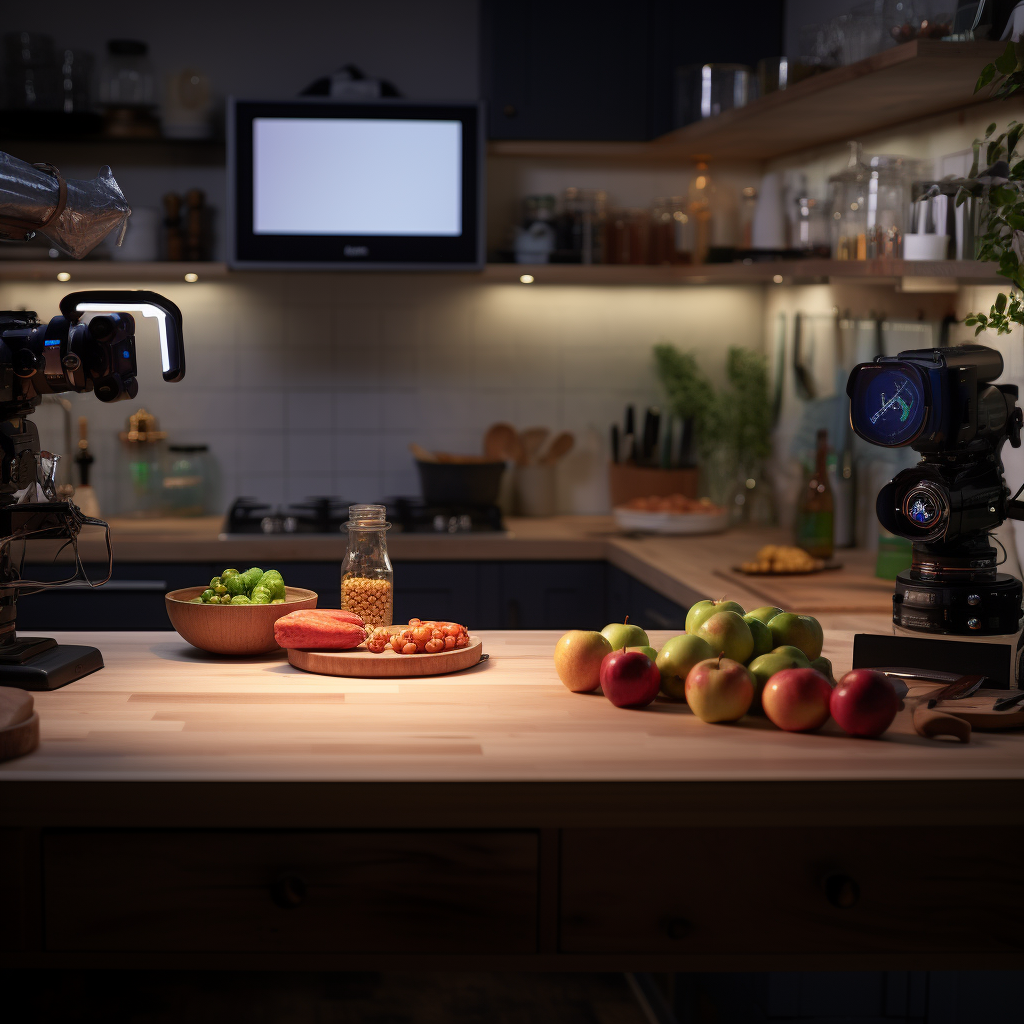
[366, 573]
[848, 202]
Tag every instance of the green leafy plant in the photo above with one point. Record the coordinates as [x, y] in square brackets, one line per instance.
[735, 421]
[1000, 190]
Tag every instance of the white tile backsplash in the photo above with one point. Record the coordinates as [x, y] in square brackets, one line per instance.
[308, 384]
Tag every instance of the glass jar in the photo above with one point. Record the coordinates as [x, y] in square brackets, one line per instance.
[187, 480]
[811, 229]
[848, 203]
[671, 234]
[888, 206]
[366, 574]
[128, 79]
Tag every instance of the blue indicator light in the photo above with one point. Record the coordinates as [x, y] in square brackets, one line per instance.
[50, 342]
[127, 354]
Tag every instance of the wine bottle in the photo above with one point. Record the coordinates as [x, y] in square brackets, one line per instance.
[815, 516]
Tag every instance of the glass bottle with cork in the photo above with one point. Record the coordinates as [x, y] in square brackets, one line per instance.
[815, 514]
[366, 574]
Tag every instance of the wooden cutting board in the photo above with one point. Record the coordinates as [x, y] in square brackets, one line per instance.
[977, 709]
[362, 664]
[19, 723]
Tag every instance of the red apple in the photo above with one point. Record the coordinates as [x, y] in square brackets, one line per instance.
[719, 690]
[864, 703]
[797, 699]
[629, 679]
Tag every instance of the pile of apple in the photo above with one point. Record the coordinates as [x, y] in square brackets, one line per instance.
[728, 663]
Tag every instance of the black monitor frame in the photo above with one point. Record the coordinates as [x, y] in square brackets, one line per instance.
[249, 251]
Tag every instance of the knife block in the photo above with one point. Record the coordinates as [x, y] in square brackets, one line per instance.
[626, 481]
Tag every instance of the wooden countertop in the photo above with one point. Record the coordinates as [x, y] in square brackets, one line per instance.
[684, 569]
[503, 743]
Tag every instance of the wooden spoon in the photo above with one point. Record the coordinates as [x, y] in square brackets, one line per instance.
[559, 448]
[421, 454]
[533, 440]
[498, 441]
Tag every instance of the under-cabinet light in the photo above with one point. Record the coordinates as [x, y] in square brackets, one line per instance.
[526, 279]
[63, 276]
[777, 279]
[191, 278]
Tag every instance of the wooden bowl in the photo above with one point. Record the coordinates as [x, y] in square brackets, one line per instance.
[239, 629]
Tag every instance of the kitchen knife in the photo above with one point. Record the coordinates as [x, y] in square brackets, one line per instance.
[1005, 703]
[650, 436]
[615, 442]
[630, 425]
[963, 687]
[666, 443]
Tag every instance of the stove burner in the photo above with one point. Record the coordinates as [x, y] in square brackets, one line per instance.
[314, 515]
[412, 515]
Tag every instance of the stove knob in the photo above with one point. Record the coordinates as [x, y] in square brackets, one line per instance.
[465, 522]
[973, 624]
[289, 524]
[973, 599]
[268, 524]
[440, 524]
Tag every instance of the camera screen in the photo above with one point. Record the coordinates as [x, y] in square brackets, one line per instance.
[888, 407]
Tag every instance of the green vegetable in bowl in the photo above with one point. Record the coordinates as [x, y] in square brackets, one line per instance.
[254, 586]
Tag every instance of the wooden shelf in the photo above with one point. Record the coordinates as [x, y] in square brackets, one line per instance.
[885, 272]
[96, 152]
[902, 84]
[107, 270]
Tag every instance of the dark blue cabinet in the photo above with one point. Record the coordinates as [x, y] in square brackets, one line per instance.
[483, 595]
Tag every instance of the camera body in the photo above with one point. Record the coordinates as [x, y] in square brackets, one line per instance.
[943, 403]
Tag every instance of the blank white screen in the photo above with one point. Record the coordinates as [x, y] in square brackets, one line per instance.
[319, 176]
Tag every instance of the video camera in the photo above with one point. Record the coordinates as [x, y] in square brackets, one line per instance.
[942, 403]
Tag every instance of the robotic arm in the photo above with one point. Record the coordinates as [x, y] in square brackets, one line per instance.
[67, 353]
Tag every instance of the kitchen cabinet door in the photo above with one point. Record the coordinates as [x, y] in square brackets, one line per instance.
[644, 606]
[443, 590]
[553, 595]
[605, 70]
[133, 599]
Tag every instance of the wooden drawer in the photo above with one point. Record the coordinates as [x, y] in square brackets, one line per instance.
[792, 890]
[393, 892]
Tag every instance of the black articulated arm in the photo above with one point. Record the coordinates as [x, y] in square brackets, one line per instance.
[149, 304]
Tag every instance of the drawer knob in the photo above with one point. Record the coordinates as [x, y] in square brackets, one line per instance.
[288, 891]
[842, 891]
[678, 928]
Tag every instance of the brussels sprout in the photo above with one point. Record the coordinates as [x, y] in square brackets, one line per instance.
[196, 600]
[240, 599]
[251, 577]
[235, 585]
[215, 582]
[278, 600]
[261, 596]
[229, 572]
[220, 590]
[206, 595]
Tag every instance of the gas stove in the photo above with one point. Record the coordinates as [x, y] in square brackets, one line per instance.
[314, 515]
[413, 515]
[320, 515]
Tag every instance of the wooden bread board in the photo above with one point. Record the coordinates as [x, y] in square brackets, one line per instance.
[977, 709]
[363, 664]
[19, 723]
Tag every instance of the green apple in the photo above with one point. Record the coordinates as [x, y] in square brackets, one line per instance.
[793, 652]
[675, 660]
[763, 668]
[649, 651]
[624, 634]
[766, 613]
[801, 631]
[728, 635]
[700, 612]
[762, 635]
[824, 666]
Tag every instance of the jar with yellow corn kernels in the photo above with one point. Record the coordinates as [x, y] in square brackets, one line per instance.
[366, 574]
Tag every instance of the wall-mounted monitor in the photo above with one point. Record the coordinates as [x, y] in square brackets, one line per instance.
[321, 185]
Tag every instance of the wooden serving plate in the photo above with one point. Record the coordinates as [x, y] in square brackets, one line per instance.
[19, 723]
[363, 664]
[977, 710]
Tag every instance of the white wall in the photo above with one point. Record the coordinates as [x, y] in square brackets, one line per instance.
[314, 383]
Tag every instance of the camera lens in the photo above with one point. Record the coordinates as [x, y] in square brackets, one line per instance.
[926, 507]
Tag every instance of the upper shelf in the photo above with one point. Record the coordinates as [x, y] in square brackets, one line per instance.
[775, 271]
[915, 80]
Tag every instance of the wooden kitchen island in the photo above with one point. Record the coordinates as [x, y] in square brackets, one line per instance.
[184, 811]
